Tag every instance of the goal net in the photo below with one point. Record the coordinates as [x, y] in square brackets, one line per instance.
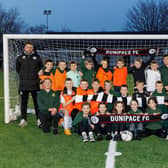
[71, 47]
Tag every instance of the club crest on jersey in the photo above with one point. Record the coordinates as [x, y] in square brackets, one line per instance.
[23, 57]
[53, 94]
[94, 119]
[34, 57]
[152, 51]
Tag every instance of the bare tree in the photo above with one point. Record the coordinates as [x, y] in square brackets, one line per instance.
[65, 28]
[38, 29]
[10, 21]
[148, 16]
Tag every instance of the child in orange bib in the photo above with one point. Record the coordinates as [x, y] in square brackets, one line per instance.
[119, 75]
[60, 76]
[47, 73]
[103, 73]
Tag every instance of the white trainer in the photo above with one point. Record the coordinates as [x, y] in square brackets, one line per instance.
[91, 136]
[22, 123]
[167, 137]
[38, 123]
[85, 138]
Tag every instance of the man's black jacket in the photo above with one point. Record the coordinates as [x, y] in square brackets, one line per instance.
[28, 66]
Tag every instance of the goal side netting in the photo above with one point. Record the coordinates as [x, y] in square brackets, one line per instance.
[71, 47]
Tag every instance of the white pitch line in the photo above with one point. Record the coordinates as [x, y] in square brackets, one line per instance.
[110, 160]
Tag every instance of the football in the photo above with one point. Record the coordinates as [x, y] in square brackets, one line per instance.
[126, 136]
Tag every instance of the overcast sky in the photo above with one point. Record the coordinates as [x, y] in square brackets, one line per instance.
[78, 15]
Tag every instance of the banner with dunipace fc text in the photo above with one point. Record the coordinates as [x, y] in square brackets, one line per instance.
[122, 52]
[128, 118]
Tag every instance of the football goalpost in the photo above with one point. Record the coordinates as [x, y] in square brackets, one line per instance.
[71, 47]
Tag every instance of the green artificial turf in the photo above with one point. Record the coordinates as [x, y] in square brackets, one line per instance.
[151, 152]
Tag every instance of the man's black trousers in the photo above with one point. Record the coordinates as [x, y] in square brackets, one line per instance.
[24, 101]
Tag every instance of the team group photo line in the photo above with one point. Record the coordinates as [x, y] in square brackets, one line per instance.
[92, 99]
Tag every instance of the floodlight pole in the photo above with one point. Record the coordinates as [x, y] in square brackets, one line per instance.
[47, 12]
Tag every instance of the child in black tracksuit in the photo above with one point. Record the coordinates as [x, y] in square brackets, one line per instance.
[141, 96]
[138, 69]
[118, 109]
[124, 97]
[103, 129]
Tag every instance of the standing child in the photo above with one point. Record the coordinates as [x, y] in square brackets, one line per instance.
[135, 128]
[141, 95]
[138, 69]
[60, 76]
[96, 89]
[103, 129]
[161, 96]
[164, 71]
[124, 97]
[108, 90]
[83, 123]
[67, 98]
[103, 72]
[88, 71]
[48, 102]
[152, 76]
[47, 72]
[74, 74]
[119, 75]
[118, 127]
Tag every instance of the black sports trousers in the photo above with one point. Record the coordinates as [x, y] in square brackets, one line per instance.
[24, 101]
[47, 120]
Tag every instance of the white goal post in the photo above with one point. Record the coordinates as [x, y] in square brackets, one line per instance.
[76, 43]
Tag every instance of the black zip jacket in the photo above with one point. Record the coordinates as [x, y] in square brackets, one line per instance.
[28, 66]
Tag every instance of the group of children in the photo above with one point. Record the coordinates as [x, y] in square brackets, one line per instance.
[71, 97]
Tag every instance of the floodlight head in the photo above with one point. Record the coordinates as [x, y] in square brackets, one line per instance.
[45, 12]
[49, 12]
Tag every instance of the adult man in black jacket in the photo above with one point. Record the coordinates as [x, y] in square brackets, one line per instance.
[27, 66]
